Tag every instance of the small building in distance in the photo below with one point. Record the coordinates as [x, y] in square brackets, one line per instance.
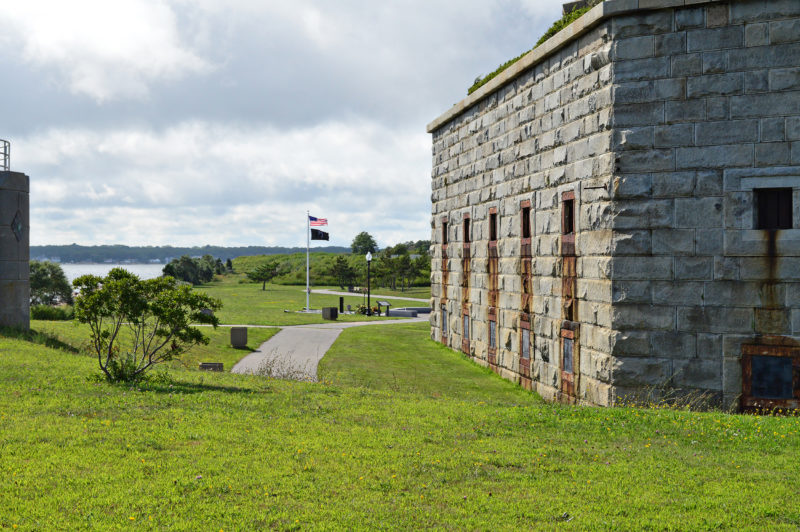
[617, 215]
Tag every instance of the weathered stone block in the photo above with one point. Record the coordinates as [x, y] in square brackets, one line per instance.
[715, 85]
[674, 135]
[773, 130]
[677, 293]
[773, 321]
[726, 268]
[784, 79]
[756, 34]
[699, 268]
[698, 212]
[633, 48]
[693, 17]
[687, 64]
[673, 242]
[642, 114]
[638, 372]
[755, 10]
[646, 160]
[698, 373]
[709, 346]
[714, 157]
[682, 111]
[715, 39]
[715, 319]
[761, 105]
[635, 214]
[641, 24]
[773, 154]
[783, 31]
[645, 268]
[670, 44]
[673, 344]
[727, 132]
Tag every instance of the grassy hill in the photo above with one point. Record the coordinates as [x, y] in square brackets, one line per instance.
[428, 441]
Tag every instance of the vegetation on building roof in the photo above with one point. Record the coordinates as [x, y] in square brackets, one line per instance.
[559, 25]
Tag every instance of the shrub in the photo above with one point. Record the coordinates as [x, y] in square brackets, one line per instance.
[156, 314]
[46, 312]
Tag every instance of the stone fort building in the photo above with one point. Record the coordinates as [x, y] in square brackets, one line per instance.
[619, 211]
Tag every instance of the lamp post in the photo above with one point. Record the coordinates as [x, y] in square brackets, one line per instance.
[369, 305]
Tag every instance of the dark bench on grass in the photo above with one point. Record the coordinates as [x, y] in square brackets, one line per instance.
[211, 366]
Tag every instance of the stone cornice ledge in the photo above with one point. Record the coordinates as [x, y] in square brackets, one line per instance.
[597, 14]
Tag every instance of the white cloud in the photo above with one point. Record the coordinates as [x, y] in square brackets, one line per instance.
[106, 50]
[233, 185]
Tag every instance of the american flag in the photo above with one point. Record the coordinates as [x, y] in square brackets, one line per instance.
[317, 221]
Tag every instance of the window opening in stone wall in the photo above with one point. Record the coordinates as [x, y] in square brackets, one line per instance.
[444, 233]
[493, 227]
[492, 334]
[569, 217]
[466, 231]
[773, 208]
[465, 333]
[770, 377]
[568, 352]
[526, 344]
[444, 321]
[526, 222]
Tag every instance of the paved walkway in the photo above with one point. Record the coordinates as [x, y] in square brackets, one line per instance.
[295, 352]
[373, 296]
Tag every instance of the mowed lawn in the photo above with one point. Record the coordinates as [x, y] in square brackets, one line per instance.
[218, 349]
[426, 439]
[246, 304]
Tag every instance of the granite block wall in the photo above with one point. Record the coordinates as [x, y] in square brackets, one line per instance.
[663, 122]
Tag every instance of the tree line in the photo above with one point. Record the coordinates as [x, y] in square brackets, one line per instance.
[144, 254]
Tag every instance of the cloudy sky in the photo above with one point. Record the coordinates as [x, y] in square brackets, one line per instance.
[192, 122]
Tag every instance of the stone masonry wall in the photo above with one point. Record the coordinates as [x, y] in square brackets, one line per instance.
[545, 133]
[14, 250]
[706, 109]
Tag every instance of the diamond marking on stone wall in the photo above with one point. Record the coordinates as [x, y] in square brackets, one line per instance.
[16, 226]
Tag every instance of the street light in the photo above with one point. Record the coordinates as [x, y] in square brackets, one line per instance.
[369, 306]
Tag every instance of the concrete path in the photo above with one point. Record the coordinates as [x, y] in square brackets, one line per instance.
[373, 296]
[295, 352]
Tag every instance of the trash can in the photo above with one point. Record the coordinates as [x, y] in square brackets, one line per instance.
[330, 313]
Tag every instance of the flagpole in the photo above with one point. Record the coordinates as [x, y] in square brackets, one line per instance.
[308, 245]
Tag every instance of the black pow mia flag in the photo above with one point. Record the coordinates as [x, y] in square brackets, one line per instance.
[316, 234]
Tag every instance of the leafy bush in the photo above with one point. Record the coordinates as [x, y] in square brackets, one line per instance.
[49, 285]
[46, 312]
[156, 314]
[557, 26]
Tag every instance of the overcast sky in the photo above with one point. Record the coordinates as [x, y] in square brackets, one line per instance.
[192, 122]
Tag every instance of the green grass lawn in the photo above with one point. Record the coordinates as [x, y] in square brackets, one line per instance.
[245, 303]
[222, 452]
[218, 350]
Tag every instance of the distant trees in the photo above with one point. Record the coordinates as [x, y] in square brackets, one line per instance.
[363, 243]
[264, 273]
[48, 283]
[343, 272]
[194, 271]
[156, 315]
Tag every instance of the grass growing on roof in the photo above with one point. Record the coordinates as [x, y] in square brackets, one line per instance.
[557, 26]
[222, 451]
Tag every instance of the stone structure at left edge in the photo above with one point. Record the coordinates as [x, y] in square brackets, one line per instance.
[14, 250]
[617, 215]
